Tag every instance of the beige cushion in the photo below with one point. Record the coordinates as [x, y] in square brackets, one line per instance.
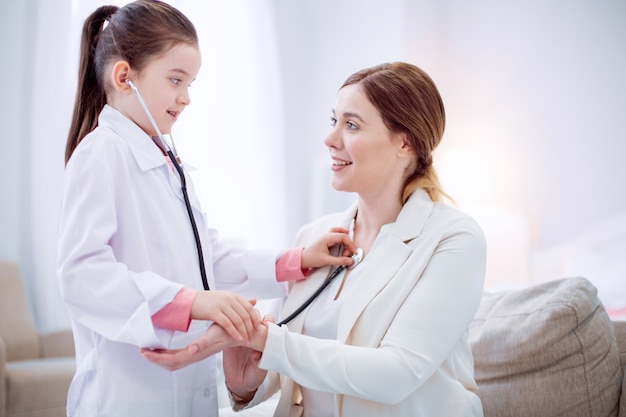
[16, 327]
[38, 387]
[547, 350]
[622, 402]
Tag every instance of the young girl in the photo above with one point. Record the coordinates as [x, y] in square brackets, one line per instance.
[134, 247]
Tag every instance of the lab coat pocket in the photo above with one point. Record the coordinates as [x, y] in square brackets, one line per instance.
[81, 399]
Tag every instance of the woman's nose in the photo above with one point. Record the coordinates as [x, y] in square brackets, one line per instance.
[333, 140]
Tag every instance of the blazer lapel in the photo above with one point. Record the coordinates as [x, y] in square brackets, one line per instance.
[381, 267]
[386, 261]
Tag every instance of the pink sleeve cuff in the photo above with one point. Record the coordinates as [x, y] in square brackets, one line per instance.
[289, 266]
[177, 314]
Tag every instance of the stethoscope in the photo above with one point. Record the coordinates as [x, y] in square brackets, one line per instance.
[172, 154]
[357, 257]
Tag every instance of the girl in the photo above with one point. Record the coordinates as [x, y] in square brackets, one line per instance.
[389, 337]
[134, 247]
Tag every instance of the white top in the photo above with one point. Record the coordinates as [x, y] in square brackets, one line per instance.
[321, 322]
[125, 249]
[401, 345]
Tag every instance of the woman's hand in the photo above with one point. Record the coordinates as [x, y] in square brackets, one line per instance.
[214, 340]
[236, 315]
[318, 254]
[241, 366]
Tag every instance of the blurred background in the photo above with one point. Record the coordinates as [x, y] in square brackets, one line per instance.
[535, 94]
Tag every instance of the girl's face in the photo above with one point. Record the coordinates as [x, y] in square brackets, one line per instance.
[164, 85]
[367, 158]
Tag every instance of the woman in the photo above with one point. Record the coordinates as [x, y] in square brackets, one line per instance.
[388, 337]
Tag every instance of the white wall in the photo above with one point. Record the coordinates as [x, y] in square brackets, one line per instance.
[535, 97]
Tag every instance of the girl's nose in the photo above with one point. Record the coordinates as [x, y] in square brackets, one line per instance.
[184, 99]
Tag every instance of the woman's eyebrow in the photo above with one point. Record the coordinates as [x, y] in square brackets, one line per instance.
[353, 115]
[349, 114]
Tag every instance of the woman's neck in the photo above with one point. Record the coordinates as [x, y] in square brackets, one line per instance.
[371, 216]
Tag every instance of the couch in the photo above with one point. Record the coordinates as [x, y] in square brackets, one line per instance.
[544, 351]
[35, 368]
[549, 350]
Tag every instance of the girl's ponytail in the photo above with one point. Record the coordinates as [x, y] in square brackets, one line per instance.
[90, 94]
[135, 33]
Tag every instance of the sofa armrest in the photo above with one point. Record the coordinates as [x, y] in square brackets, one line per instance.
[620, 335]
[3, 377]
[57, 343]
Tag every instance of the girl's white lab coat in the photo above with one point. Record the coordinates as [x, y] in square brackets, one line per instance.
[126, 248]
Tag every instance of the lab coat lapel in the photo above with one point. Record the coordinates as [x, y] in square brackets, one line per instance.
[144, 150]
[385, 262]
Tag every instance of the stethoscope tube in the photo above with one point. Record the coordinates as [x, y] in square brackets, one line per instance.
[183, 183]
[192, 219]
[317, 292]
[357, 257]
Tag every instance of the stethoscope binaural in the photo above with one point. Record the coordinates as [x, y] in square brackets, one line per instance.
[183, 183]
[357, 257]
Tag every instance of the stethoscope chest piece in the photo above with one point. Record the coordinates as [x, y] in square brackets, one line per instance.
[357, 257]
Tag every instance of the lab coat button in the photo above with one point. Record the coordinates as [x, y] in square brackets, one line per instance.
[206, 393]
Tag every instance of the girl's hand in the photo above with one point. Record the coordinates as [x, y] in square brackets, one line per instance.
[214, 340]
[318, 254]
[236, 315]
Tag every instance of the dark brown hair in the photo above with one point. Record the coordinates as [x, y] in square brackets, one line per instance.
[409, 102]
[135, 33]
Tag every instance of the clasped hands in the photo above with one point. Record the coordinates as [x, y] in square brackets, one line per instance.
[238, 329]
[240, 360]
[214, 340]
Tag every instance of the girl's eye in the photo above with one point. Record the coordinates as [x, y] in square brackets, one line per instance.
[352, 125]
[176, 80]
[333, 121]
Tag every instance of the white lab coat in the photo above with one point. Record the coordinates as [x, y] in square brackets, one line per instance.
[125, 249]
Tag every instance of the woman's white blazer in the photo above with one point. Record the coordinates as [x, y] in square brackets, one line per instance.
[125, 249]
[401, 348]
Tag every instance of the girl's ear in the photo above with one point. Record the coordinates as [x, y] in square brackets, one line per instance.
[120, 72]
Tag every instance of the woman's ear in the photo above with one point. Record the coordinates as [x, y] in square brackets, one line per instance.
[405, 149]
[120, 72]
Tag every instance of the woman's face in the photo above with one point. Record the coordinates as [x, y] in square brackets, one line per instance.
[367, 158]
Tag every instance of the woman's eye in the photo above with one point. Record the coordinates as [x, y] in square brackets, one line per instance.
[333, 121]
[351, 125]
[176, 80]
